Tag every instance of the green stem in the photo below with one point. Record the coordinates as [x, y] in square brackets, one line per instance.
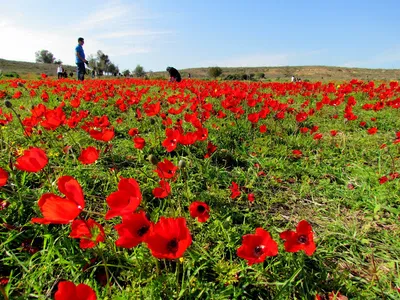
[157, 266]
[178, 266]
[107, 274]
[20, 122]
[3, 292]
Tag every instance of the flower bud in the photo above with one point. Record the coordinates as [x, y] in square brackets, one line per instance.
[8, 104]
[182, 164]
[151, 158]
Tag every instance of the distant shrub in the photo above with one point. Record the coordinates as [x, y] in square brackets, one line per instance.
[139, 71]
[11, 75]
[214, 72]
[260, 75]
[242, 76]
[233, 77]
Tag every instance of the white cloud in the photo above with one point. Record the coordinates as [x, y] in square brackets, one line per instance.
[110, 28]
[102, 16]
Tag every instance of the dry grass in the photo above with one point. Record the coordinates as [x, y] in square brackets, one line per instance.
[312, 73]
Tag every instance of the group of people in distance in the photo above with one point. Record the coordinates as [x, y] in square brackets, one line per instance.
[61, 72]
[296, 79]
[80, 60]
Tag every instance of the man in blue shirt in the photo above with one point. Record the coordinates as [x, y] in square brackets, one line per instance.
[80, 59]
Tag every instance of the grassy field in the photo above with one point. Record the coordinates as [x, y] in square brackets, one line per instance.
[313, 73]
[260, 155]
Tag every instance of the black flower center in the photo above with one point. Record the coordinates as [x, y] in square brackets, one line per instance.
[201, 209]
[173, 246]
[259, 250]
[142, 231]
[302, 239]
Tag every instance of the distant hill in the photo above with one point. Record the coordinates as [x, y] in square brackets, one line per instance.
[24, 69]
[312, 73]
[28, 69]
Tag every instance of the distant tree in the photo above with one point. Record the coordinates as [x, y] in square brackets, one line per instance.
[126, 73]
[139, 71]
[260, 75]
[44, 56]
[57, 62]
[214, 72]
[92, 62]
[111, 68]
[103, 61]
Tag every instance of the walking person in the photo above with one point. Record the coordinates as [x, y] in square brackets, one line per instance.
[80, 59]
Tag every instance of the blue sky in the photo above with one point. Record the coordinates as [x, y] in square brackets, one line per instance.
[157, 34]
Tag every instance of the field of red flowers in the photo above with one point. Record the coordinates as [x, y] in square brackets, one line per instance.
[142, 189]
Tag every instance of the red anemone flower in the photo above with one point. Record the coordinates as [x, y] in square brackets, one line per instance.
[3, 177]
[33, 160]
[211, 148]
[133, 131]
[333, 132]
[256, 247]
[89, 155]
[297, 153]
[169, 238]
[372, 130]
[139, 142]
[57, 210]
[251, 197]
[383, 179]
[202, 134]
[301, 239]
[17, 95]
[199, 210]
[104, 134]
[67, 291]
[171, 141]
[166, 169]
[163, 190]
[317, 136]
[304, 129]
[263, 128]
[125, 200]
[301, 116]
[133, 230]
[90, 232]
[234, 190]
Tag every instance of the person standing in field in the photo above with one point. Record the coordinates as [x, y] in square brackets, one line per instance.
[80, 59]
[60, 71]
[174, 75]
